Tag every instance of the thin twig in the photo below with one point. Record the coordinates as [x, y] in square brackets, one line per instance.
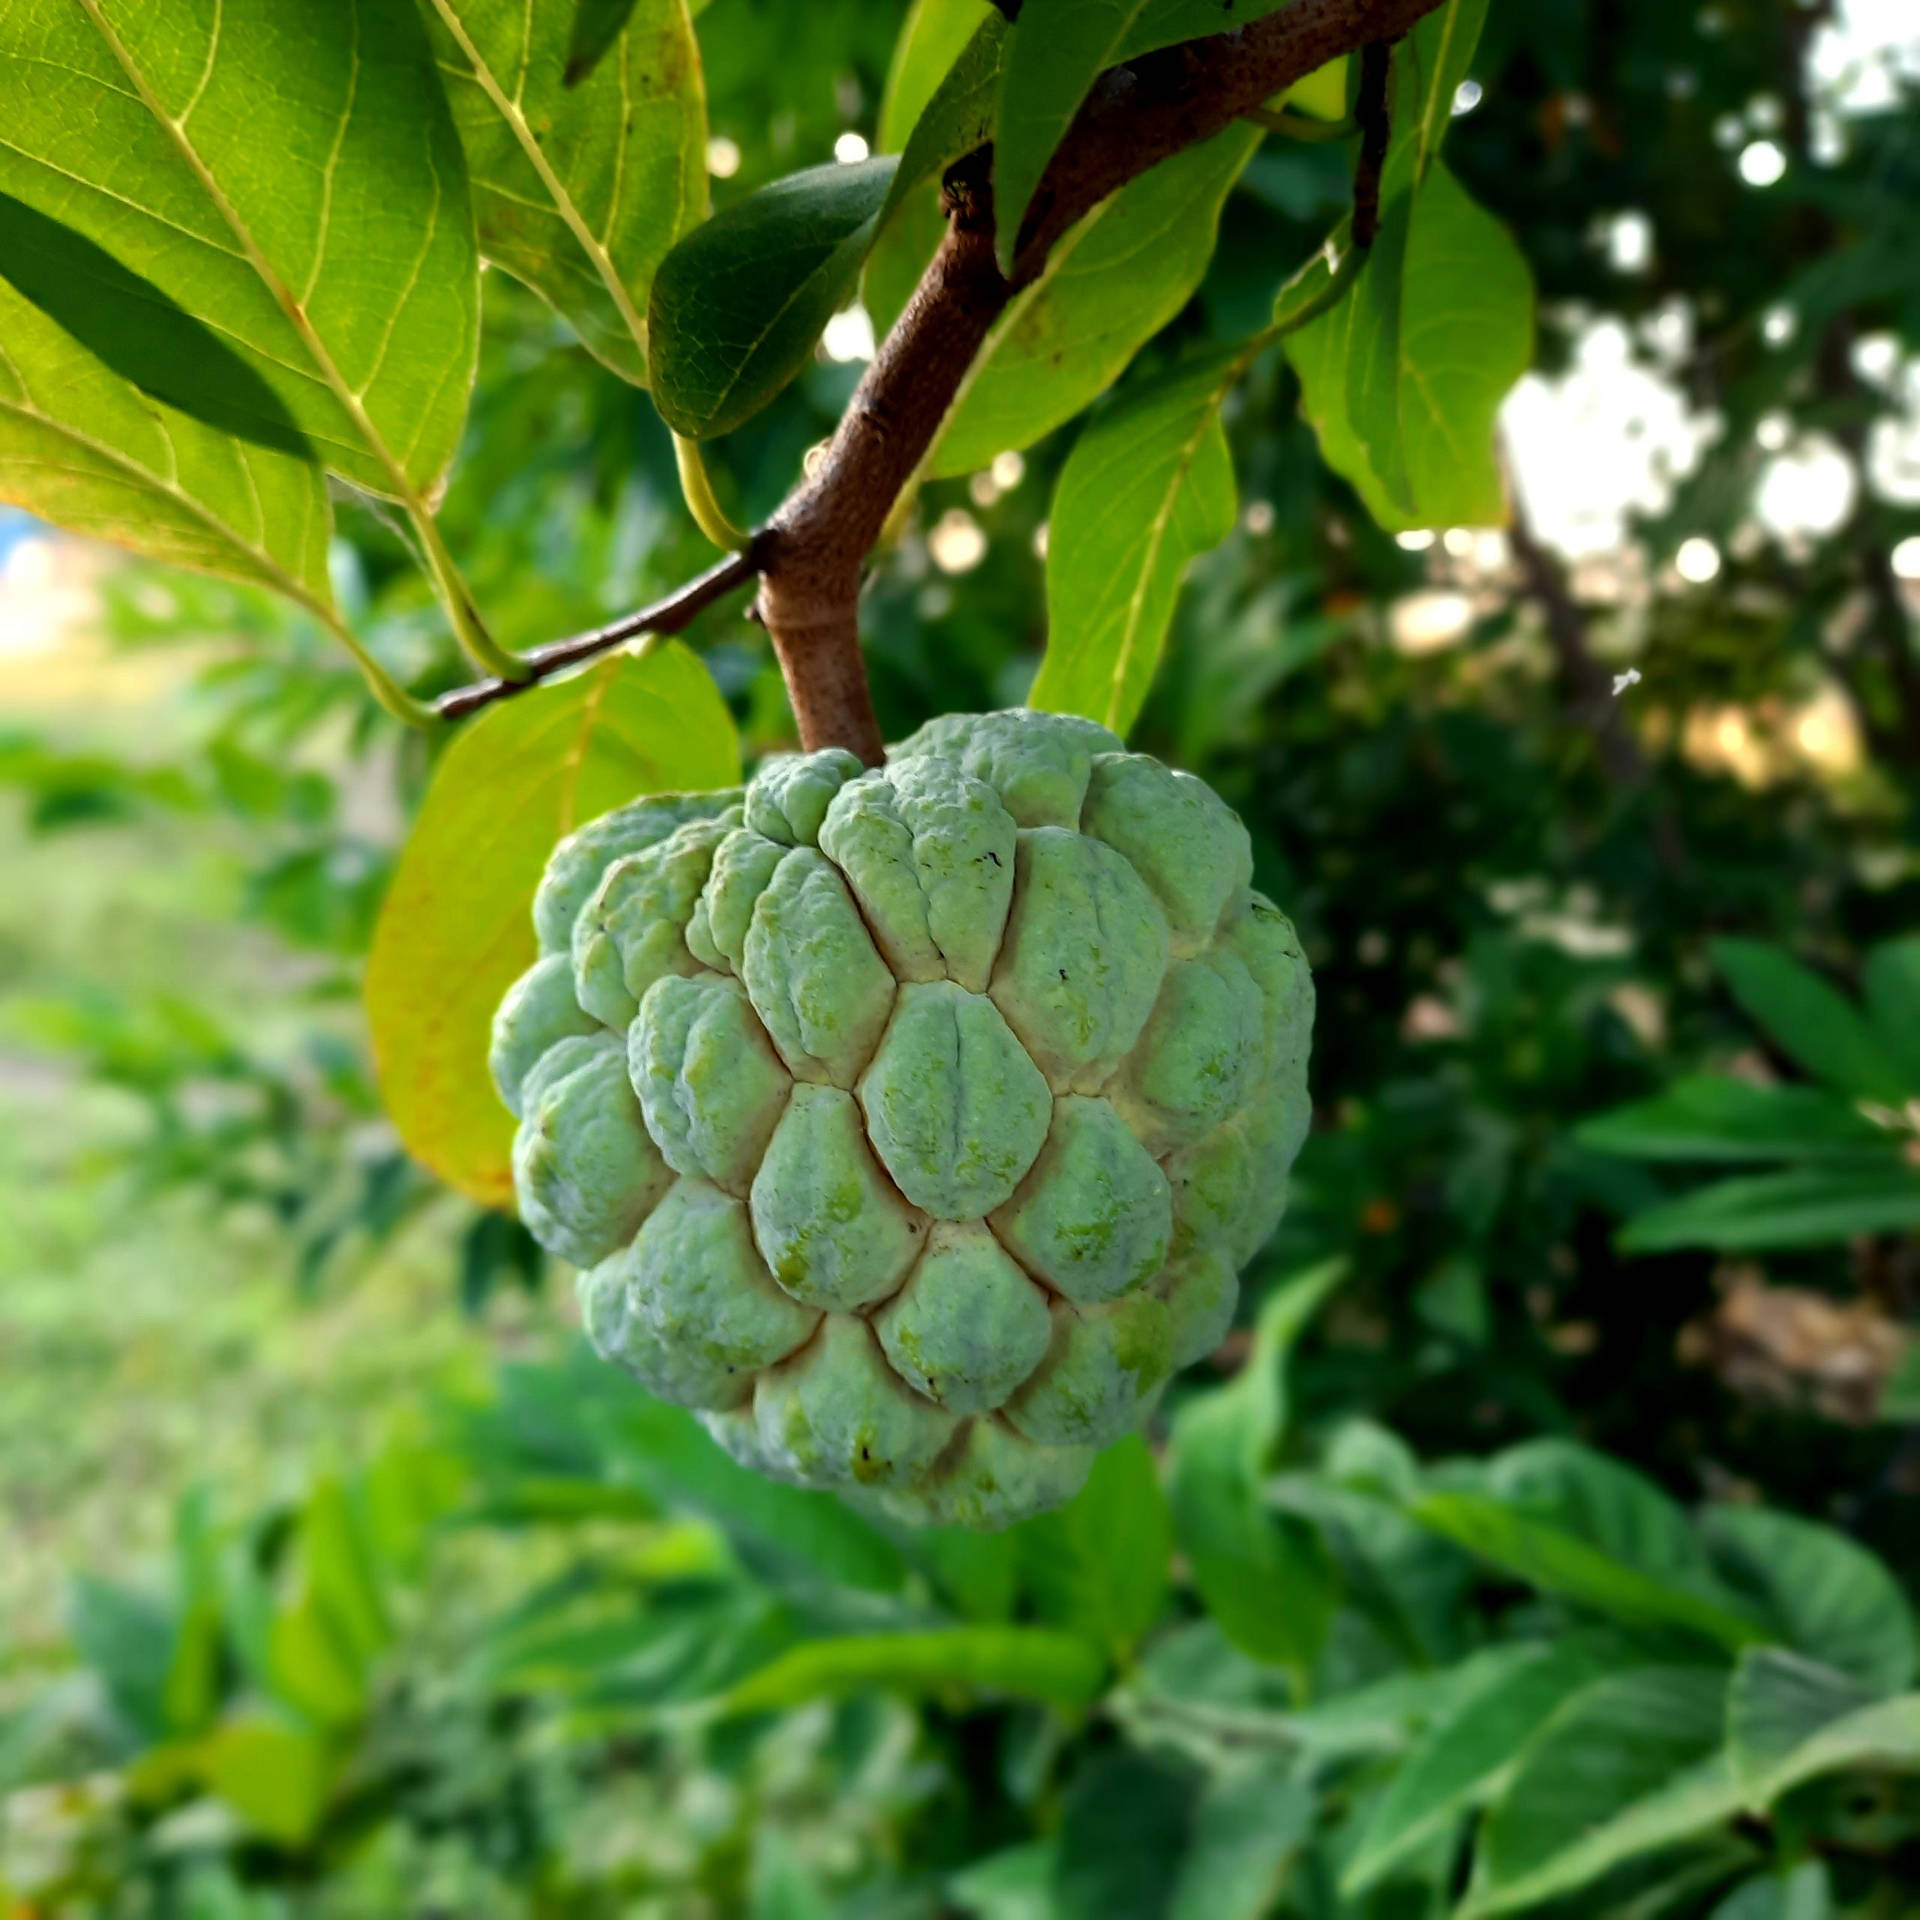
[666, 616]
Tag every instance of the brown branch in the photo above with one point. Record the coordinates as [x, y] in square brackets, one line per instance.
[670, 615]
[1374, 110]
[811, 554]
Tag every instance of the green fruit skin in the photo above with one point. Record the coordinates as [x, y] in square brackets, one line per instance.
[912, 1124]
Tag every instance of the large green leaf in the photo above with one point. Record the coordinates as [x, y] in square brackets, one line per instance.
[1467, 1756]
[1777, 1702]
[86, 449]
[1892, 980]
[1054, 54]
[1629, 1766]
[289, 177]
[1022, 1663]
[1099, 1564]
[1266, 1577]
[1403, 378]
[1810, 1207]
[1249, 1825]
[1792, 1893]
[1709, 1116]
[1428, 66]
[1809, 1021]
[1123, 1830]
[741, 302]
[456, 928]
[1830, 1598]
[1884, 1737]
[580, 185]
[1147, 488]
[1109, 286]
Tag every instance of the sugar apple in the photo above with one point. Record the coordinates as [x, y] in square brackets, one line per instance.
[912, 1125]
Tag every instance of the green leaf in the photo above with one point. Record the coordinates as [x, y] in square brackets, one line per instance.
[1148, 487]
[1629, 1766]
[1559, 1562]
[1708, 1116]
[1110, 284]
[1123, 1829]
[1013, 1884]
[1403, 378]
[1884, 1737]
[1776, 1703]
[1428, 66]
[1797, 1893]
[741, 302]
[1248, 1828]
[340, 1571]
[976, 1574]
[276, 1776]
[1468, 1756]
[1022, 1663]
[931, 39]
[293, 180]
[1266, 1577]
[1604, 1502]
[1056, 51]
[1892, 980]
[958, 114]
[312, 1665]
[456, 930]
[1100, 1564]
[1830, 1598]
[128, 1638]
[1811, 1207]
[587, 163]
[1810, 1021]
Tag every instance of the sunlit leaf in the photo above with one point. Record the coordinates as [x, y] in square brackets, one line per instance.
[587, 163]
[1148, 487]
[275, 1775]
[456, 930]
[293, 180]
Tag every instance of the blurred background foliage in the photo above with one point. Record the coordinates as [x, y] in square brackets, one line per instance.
[336, 1584]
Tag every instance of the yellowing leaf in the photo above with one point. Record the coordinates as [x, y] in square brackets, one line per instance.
[455, 931]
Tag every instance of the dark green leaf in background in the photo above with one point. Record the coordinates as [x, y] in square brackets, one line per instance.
[1148, 487]
[1776, 1703]
[1830, 1598]
[1892, 979]
[1123, 1831]
[1809, 1208]
[583, 174]
[1810, 1021]
[741, 302]
[1709, 1116]
[1249, 1825]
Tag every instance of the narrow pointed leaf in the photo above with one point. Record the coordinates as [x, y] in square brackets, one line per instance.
[1814, 1207]
[1710, 1116]
[1810, 1021]
[1022, 1663]
[584, 175]
[456, 928]
[741, 302]
[1148, 487]
[292, 178]
[1892, 977]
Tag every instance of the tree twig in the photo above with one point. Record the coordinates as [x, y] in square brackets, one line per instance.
[1373, 110]
[811, 553]
[666, 616]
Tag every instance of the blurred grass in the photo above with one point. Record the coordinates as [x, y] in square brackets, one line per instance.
[146, 1342]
